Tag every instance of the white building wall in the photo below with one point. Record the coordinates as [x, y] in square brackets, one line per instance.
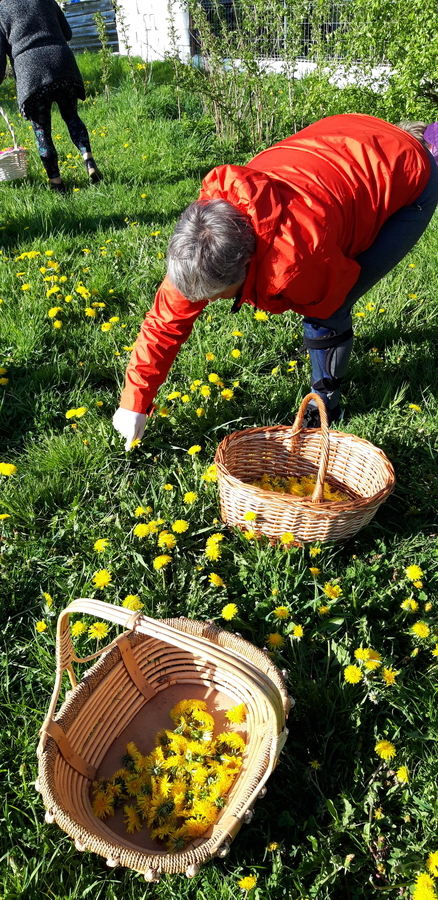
[147, 29]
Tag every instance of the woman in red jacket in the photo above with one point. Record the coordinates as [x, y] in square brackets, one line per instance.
[309, 224]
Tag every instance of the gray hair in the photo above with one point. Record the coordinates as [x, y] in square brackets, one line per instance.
[416, 129]
[209, 249]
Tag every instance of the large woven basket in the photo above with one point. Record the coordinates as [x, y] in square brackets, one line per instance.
[126, 696]
[344, 461]
[13, 162]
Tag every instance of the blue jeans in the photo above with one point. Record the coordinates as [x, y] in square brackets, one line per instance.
[394, 241]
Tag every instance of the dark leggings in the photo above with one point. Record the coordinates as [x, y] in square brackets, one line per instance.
[39, 116]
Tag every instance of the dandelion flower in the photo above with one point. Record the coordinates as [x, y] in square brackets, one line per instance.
[98, 630]
[409, 605]
[249, 881]
[78, 628]
[100, 545]
[432, 861]
[261, 316]
[200, 412]
[216, 580]
[323, 610]
[236, 353]
[41, 626]
[47, 598]
[413, 573]
[132, 819]
[385, 749]
[101, 578]
[213, 378]
[190, 497]
[287, 538]
[237, 714]
[141, 511]
[102, 805]
[362, 653]
[89, 311]
[420, 629]
[298, 632]
[209, 357]
[195, 449]
[227, 394]
[168, 487]
[132, 601]
[53, 312]
[332, 590]
[352, 674]
[314, 571]
[414, 405]
[250, 516]
[389, 676]
[229, 611]
[275, 640]
[281, 612]
[205, 390]
[314, 551]
[372, 664]
[424, 888]
[179, 526]
[402, 775]
[76, 413]
[161, 561]
[249, 535]
[142, 530]
[106, 326]
[210, 475]
[166, 540]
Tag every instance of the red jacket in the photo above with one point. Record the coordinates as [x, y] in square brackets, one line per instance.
[316, 200]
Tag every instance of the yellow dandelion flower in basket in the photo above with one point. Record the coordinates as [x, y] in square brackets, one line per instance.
[145, 675]
[315, 484]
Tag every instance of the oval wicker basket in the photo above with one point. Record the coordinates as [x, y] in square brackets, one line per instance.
[344, 461]
[126, 696]
[13, 162]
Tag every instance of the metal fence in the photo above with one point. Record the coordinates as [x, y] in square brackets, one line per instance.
[80, 16]
[271, 38]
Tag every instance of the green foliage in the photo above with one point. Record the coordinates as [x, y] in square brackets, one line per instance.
[345, 824]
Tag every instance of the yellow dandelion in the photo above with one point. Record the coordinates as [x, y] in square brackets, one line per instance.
[229, 611]
[190, 497]
[78, 628]
[298, 632]
[275, 640]
[385, 749]
[261, 316]
[402, 775]
[332, 590]
[98, 630]
[101, 578]
[237, 714]
[132, 819]
[281, 612]
[102, 805]
[216, 580]
[132, 601]
[249, 881]
[180, 526]
[100, 545]
[413, 573]
[352, 674]
[195, 449]
[389, 675]
[420, 629]
[40, 627]
[161, 561]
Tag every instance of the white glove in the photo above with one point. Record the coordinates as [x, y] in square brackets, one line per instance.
[131, 425]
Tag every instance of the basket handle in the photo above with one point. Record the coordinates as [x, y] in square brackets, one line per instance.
[318, 494]
[2, 112]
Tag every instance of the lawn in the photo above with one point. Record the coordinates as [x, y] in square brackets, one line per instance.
[341, 819]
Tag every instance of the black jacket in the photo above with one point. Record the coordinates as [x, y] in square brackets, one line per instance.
[34, 35]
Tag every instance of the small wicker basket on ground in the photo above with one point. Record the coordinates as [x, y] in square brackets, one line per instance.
[126, 696]
[13, 162]
[347, 463]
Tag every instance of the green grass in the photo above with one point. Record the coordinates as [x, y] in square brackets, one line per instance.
[345, 826]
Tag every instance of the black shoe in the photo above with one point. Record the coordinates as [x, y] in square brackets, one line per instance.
[58, 186]
[94, 174]
[311, 418]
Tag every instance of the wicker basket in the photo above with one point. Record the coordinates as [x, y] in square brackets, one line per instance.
[126, 696]
[13, 162]
[344, 461]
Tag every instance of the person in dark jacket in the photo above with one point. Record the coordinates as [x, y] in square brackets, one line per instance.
[34, 35]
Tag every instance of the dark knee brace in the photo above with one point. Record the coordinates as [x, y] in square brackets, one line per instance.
[329, 355]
